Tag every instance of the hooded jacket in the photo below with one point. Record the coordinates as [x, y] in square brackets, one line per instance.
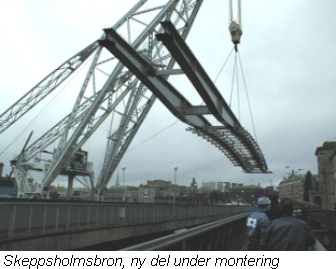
[256, 223]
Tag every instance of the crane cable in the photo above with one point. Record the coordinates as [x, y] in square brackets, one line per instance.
[238, 11]
[236, 33]
[231, 12]
[247, 96]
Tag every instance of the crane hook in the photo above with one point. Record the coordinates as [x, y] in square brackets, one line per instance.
[235, 26]
[236, 33]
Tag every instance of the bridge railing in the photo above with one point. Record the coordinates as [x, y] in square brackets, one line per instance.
[33, 218]
[224, 234]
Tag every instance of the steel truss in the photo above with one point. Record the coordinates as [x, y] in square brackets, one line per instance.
[106, 87]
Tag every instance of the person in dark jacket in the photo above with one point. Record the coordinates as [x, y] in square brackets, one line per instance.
[287, 232]
[257, 222]
[275, 211]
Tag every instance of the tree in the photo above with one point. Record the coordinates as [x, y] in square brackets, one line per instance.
[307, 186]
[215, 197]
[54, 195]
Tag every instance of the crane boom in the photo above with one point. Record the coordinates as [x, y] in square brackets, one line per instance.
[44, 88]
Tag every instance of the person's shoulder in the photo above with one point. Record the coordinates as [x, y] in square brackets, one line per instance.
[297, 220]
[270, 227]
[254, 208]
[293, 220]
[278, 221]
[259, 215]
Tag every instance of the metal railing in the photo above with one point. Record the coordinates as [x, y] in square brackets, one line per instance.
[225, 234]
[318, 246]
[20, 219]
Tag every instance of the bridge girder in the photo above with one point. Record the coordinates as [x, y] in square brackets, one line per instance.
[231, 138]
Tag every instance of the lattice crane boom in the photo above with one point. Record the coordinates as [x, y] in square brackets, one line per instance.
[123, 89]
[96, 102]
[121, 138]
[44, 88]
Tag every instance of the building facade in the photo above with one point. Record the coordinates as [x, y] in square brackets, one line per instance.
[246, 194]
[292, 186]
[326, 161]
[222, 186]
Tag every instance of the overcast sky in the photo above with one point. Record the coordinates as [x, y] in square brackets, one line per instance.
[288, 55]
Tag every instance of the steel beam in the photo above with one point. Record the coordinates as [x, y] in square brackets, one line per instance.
[197, 75]
[234, 141]
[145, 71]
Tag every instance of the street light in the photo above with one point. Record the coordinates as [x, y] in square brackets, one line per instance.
[175, 175]
[124, 168]
[195, 192]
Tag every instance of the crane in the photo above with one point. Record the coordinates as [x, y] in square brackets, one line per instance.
[126, 85]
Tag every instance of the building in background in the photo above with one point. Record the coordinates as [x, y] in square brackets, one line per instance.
[208, 185]
[292, 186]
[314, 193]
[222, 186]
[326, 161]
[246, 194]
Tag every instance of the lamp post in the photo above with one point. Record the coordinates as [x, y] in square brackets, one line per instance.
[195, 193]
[124, 168]
[175, 175]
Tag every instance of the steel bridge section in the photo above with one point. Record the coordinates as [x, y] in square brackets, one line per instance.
[231, 138]
[250, 157]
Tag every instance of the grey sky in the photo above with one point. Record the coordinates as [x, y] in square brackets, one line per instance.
[288, 55]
